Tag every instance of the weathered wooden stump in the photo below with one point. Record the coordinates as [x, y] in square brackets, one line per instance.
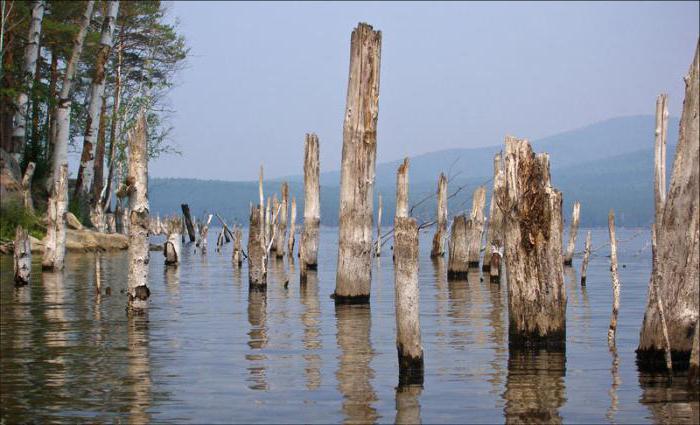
[308, 248]
[458, 249]
[257, 255]
[475, 227]
[586, 256]
[533, 250]
[55, 248]
[438, 248]
[615, 279]
[378, 242]
[494, 235]
[237, 257]
[22, 257]
[494, 266]
[173, 245]
[203, 233]
[408, 336]
[281, 222]
[573, 231]
[139, 253]
[292, 229]
[676, 268]
[188, 222]
[353, 275]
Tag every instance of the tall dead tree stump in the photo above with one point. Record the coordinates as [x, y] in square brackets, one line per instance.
[438, 248]
[573, 231]
[308, 248]
[494, 235]
[22, 257]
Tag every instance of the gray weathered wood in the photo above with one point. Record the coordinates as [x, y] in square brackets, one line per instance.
[533, 249]
[188, 222]
[257, 258]
[353, 273]
[281, 223]
[27, 186]
[22, 257]
[292, 228]
[173, 243]
[438, 248]
[308, 248]
[676, 270]
[378, 242]
[615, 279]
[586, 256]
[475, 226]
[237, 250]
[573, 231]
[458, 249]
[660, 133]
[55, 246]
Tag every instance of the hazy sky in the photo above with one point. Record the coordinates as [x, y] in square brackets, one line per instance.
[261, 75]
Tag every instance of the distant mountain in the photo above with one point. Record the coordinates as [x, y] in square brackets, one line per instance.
[604, 165]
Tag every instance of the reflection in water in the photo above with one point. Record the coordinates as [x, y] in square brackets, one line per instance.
[459, 303]
[172, 281]
[572, 284]
[616, 381]
[408, 404]
[497, 338]
[310, 318]
[440, 277]
[669, 401]
[257, 315]
[535, 388]
[354, 371]
[54, 301]
[139, 370]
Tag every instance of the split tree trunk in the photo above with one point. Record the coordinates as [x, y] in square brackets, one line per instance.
[438, 249]
[84, 180]
[660, 156]
[281, 232]
[353, 275]
[188, 222]
[173, 245]
[378, 244]
[22, 257]
[31, 53]
[458, 249]
[573, 231]
[292, 229]
[308, 248]
[408, 337]
[257, 261]
[476, 226]
[615, 279]
[533, 250]
[55, 249]
[586, 256]
[203, 233]
[676, 271]
[139, 252]
[27, 187]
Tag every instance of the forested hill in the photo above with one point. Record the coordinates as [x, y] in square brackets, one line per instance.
[604, 165]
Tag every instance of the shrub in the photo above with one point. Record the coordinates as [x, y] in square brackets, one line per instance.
[13, 214]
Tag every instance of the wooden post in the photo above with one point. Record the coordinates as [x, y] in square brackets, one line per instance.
[292, 229]
[676, 270]
[458, 249]
[173, 245]
[615, 279]
[55, 250]
[27, 187]
[353, 273]
[257, 259]
[22, 257]
[586, 256]
[438, 249]
[139, 255]
[408, 337]
[281, 232]
[188, 222]
[573, 230]
[475, 227]
[378, 244]
[237, 251]
[533, 250]
[308, 248]
[494, 236]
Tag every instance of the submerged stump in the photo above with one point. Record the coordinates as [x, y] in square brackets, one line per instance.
[573, 231]
[188, 222]
[476, 226]
[173, 245]
[438, 248]
[22, 257]
[257, 252]
[458, 249]
[494, 235]
[308, 247]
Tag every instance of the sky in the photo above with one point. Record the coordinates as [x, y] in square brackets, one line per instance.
[261, 75]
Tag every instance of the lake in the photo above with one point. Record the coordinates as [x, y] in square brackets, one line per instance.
[208, 351]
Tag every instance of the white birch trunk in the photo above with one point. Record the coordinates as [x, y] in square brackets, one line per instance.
[573, 231]
[353, 273]
[615, 279]
[22, 257]
[438, 249]
[31, 53]
[27, 187]
[55, 249]
[173, 245]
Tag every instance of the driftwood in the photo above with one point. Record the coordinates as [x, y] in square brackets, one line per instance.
[438, 249]
[139, 254]
[586, 256]
[494, 235]
[573, 231]
[308, 248]
[615, 279]
[188, 222]
[353, 273]
[495, 265]
[173, 245]
[533, 250]
[676, 267]
[408, 337]
[55, 250]
[292, 229]
[22, 257]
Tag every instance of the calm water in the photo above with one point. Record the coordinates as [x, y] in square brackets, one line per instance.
[210, 352]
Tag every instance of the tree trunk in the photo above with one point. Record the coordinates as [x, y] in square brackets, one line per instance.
[458, 249]
[660, 156]
[353, 274]
[22, 257]
[615, 279]
[51, 110]
[308, 248]
[203, 233]
[27, 187]
[173, 245]
[139, 252]
[694, 368]
[98, 184]
[378, 244]
[237, 251]
[113, 127]
[438, 249]
[494, 235]
[476, 226]
[257, 259]
[188, 222]
[659, 302]
[281, 232]
[676, 270]
[586, 256]
[533, 250]
[83, 183]
[573, 231]
[31, 53]
[55, 250]
[292, 229]
[408, 337]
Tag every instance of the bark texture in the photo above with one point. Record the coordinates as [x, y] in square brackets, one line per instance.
[257, 258]
[188, 222]
[675, 272]
[494, 235]
[438, 249]
[139, 253]
[55, 250]
[308, 248]
[292, 228]
[173, 245]
[476, 226]
[533, 250]
[573, 231]
[615, 279]
[22, 257]
[281, 231]
[27, 186]
[353, 275]
[458, 253]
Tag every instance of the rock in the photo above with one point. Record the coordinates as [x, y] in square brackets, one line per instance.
[156, 247]
[72, 222]
[86, 241]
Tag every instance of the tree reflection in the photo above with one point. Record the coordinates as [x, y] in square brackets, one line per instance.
[257, 339]
[139, 369]
[312, 332]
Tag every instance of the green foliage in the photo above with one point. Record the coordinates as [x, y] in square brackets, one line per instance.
[13, 214]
